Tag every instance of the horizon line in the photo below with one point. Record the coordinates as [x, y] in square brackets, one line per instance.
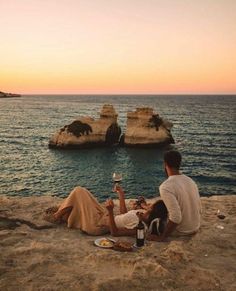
[134, 94]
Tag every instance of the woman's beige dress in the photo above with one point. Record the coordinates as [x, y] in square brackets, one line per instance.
[87, 213]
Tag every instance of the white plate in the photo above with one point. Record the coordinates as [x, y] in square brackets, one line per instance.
[97, 242]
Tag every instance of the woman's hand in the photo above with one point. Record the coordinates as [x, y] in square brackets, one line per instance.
[118, 189]
[140, 203]
[109, 204]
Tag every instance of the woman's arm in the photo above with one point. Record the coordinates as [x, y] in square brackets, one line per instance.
[121, 194]
[115, 231]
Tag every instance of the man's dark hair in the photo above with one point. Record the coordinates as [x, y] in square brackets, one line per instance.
[173, 159]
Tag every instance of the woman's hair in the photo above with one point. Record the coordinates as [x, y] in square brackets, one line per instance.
[159, 210]
[173, 159]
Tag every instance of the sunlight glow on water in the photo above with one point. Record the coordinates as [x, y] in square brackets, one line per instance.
[204, 131]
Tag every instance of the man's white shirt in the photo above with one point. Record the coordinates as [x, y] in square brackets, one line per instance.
[181, 197]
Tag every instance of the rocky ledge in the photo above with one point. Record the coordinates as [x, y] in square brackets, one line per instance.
[144, 128]
[36, 255]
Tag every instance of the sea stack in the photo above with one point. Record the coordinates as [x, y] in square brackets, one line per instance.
[146, 128]
[87, 132]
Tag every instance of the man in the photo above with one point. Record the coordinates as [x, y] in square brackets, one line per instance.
[181, 197]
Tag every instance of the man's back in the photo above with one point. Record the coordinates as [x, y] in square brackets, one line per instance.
[181, 196]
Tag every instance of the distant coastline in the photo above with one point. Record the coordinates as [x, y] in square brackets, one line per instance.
[8, 95]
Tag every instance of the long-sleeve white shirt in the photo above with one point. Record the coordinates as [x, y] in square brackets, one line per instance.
[181, 197]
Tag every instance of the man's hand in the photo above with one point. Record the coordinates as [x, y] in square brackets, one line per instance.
[109, 204]
[154, 237]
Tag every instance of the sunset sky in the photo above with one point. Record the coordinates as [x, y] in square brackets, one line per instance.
[118, 46]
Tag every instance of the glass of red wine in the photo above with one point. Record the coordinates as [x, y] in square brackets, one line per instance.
[117, 178]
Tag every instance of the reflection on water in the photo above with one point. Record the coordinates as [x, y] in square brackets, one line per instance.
[204, 131]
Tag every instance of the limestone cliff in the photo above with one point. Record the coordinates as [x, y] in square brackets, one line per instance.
[146, 128]
[88, 132]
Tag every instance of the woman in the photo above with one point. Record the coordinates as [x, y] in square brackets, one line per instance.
[81, 210]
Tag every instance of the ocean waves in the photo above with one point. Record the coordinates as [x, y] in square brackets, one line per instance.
[203, 131]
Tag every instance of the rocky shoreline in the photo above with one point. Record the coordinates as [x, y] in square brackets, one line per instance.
[8, 95]
[53, 257]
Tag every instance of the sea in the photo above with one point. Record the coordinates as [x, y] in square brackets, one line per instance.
[204, 132]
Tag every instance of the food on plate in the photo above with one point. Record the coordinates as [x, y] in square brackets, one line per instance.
[123, 246]
[106, 243]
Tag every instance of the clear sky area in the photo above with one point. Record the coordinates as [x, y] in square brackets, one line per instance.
[118, 46]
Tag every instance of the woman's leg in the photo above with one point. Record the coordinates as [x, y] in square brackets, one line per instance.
[83, 211]
[63, 214]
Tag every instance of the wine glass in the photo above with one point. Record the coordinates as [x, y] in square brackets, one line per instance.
[117, 178]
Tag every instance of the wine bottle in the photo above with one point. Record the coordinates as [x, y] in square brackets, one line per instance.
[140, 234]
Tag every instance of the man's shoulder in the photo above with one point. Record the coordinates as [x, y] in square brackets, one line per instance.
[168, 182]
[175, 180]
[189, 180]
[178, 178]
[166, 186]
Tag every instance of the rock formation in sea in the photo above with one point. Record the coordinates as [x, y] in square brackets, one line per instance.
[87, 132]
[146, 128]
[8, 95]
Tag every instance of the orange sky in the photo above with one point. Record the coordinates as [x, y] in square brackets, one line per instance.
[118, 46]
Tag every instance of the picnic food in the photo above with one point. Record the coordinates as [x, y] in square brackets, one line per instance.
[123, 246]
[106, 243]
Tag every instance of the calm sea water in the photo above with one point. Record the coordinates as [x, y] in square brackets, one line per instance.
[204, 131]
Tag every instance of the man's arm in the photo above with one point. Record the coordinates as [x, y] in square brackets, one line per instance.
[170, 227]
[174, 213]
[172, 205]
